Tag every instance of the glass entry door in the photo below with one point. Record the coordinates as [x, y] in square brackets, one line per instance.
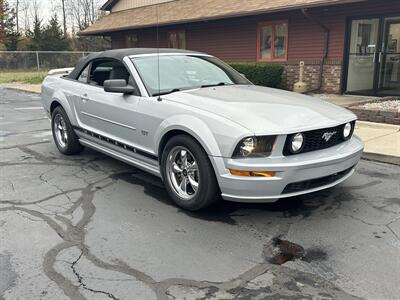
[389, 75]
[362, 59]
[374, 56]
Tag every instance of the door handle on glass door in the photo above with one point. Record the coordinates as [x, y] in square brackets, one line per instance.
[380, 57]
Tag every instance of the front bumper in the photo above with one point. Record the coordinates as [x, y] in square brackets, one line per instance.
[295, 175]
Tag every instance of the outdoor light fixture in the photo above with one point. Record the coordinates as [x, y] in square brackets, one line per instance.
[255, 146]
[297, 143]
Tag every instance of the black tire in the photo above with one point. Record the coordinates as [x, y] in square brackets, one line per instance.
[208, 189]
[72, 145]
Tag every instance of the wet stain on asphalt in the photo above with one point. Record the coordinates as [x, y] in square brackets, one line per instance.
[314, 254]
[8, 276]
[393, 201]
[286, 297]
[242, 293]
[287, 251]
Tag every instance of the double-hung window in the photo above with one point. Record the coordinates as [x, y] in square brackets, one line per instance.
[177, 39]
[272, 41]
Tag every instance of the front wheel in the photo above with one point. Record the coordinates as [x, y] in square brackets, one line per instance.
[63, 134]
[188, 174]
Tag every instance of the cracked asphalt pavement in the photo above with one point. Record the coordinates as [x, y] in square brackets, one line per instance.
[91, 227]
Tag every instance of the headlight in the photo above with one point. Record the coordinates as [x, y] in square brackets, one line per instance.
[297, 143]
[347, 130]
[256, 146]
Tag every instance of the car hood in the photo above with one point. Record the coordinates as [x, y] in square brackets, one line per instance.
[265, 110]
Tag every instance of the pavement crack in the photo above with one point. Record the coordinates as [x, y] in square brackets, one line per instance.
[84, 285]
[24, 145]
[388, 226]
[363, 221]
[21, 203]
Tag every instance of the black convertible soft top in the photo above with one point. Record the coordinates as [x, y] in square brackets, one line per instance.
[119, 54]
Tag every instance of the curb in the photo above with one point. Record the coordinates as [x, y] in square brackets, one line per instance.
[19, 89]
[388, 159]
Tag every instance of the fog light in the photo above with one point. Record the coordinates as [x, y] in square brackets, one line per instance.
[252, 173]
[297, 143]
[347, 131]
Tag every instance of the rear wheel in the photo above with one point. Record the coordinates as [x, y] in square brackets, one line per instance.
[188, 174]
[64, 136]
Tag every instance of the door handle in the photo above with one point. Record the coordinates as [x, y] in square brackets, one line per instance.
[380, 57]
[84, 98]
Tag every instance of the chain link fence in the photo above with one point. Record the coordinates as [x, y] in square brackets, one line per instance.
[32, 66]
[38, 60]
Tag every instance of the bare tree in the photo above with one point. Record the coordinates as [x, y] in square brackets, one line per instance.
[88, 12]
[64, 18]
[17, 14]
[35, 13]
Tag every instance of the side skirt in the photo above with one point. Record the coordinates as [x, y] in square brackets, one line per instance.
[120, 156]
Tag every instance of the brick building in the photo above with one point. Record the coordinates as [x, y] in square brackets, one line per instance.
[348, 46]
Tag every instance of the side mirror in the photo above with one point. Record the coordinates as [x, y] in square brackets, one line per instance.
[118, 86]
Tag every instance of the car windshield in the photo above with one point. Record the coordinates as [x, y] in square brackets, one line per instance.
[183, 72]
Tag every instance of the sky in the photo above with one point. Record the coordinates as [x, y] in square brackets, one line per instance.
[46, 9]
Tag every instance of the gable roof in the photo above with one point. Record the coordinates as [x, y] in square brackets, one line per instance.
[185, 11]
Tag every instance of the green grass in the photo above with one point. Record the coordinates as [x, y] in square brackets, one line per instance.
[28, 77]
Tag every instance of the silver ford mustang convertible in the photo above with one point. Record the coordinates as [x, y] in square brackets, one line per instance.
[201, 126]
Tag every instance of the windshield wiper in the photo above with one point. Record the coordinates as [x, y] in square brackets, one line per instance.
[167, 92]
[216, 84]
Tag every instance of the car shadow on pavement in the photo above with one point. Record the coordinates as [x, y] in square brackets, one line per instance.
[225, 211]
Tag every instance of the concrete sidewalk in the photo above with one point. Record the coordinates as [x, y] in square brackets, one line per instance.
[382, 141]
[30, 88]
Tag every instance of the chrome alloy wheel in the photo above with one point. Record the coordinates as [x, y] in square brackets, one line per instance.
[60, 130]
[183, 172]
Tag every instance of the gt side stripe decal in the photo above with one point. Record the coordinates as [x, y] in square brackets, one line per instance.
[116, 143]
[106, 120]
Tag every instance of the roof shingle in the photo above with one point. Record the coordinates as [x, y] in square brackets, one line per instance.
[185, 11]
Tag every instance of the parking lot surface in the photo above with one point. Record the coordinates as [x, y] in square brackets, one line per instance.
[90, 227]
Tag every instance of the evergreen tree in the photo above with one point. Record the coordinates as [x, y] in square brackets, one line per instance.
[12, 36]
[3, 18]
[35, 35]
[53, 36]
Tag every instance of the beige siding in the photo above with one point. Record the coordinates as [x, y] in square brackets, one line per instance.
[127, 4]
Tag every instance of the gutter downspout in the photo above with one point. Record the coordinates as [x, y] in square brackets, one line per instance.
[326, 46]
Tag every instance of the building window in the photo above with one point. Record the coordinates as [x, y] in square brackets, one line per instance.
[132, 41]
[272, 41]
[177, 39]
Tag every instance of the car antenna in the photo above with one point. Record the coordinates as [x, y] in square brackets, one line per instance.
[158, 58]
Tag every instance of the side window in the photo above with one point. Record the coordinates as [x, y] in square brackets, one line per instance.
[84, 75]
[100, 72]
[103, 70]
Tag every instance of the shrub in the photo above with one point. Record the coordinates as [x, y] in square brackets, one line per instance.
[263, 74]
